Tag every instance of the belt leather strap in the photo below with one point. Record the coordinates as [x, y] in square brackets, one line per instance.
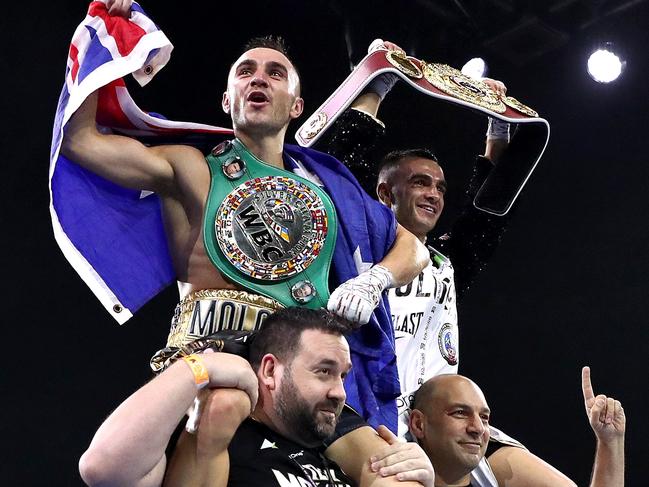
[267, 229]
[506, 180]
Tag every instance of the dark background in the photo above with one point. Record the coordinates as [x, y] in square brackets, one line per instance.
[567, 287]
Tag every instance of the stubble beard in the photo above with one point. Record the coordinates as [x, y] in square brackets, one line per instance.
[257, 125]
[258, 129]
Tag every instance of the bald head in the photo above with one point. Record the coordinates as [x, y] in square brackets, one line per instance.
[450, 420]
[442, 385]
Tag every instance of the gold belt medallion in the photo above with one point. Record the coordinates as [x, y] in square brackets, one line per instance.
[271, 228]
[452, 82]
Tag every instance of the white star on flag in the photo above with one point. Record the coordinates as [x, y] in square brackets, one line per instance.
[358, 261]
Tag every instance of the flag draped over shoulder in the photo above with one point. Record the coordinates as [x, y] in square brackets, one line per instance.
[366, 232]
[112, 236]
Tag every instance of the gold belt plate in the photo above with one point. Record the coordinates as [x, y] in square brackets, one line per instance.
[452, 82]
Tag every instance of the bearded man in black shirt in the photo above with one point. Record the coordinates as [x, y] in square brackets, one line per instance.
[294, 387]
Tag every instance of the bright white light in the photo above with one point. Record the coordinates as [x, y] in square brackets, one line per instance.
[604, 66]
[474, 68]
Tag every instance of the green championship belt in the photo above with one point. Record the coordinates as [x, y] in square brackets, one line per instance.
[267, 229]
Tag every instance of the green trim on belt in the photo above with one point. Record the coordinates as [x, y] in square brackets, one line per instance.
[317, 273]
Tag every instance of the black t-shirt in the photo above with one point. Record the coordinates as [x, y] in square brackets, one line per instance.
[261, 457]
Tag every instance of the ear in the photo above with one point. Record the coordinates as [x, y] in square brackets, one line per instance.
[225, 102]
[416, 423]
[268, 369]
[297, 108]
[384, 193]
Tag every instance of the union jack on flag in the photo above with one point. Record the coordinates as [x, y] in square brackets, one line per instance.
[113, 236]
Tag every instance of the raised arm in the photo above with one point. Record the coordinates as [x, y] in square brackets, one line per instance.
[356, 136]
[497, 130]
[120, 159]
[129, 447]
[476, 234]
[370, 100]
[607, 419]
[517, 467]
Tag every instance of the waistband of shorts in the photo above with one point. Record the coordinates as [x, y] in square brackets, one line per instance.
[245, 311]
[235, 295]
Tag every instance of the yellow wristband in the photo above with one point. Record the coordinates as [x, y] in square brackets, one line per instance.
[201, 378]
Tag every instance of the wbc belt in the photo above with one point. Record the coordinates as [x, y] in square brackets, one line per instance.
[506, 180]
[268, 229]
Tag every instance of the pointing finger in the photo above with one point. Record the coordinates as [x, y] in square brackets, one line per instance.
[586, 386]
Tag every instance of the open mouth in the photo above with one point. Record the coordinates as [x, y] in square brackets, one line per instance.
[258, 97]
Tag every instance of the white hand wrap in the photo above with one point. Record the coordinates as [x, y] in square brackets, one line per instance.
[356, 299]
[375, 45]
[383, 83]
[497, 129]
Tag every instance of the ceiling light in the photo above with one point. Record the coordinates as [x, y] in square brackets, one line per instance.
[475, 68]
[604, 65]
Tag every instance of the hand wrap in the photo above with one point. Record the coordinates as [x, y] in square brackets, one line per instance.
[383, 83]
[497, 129]
[356, 299]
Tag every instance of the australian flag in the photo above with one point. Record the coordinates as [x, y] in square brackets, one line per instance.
[114, 237]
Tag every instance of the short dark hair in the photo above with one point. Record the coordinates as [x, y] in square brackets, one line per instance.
[392, 159]
[277, 43]
[269, 42]
[281, 332]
